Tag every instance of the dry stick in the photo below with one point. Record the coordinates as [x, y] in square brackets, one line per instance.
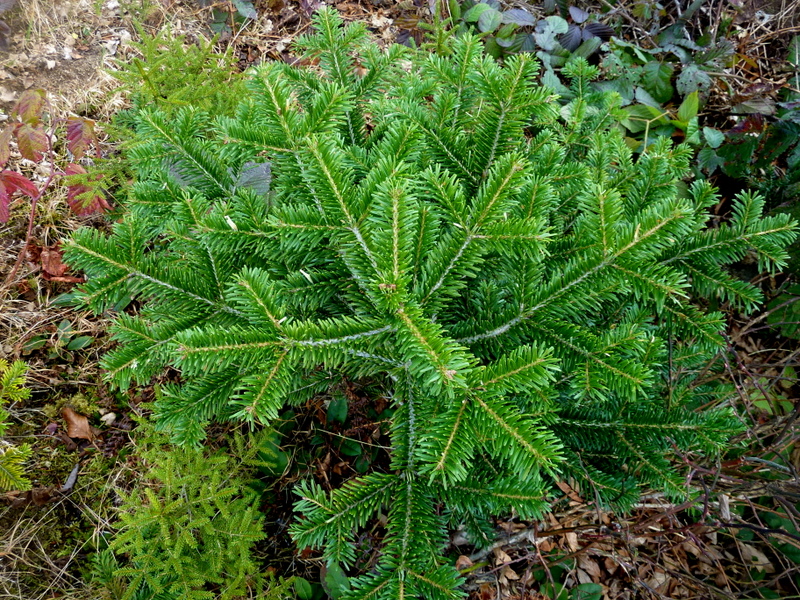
[763, 316]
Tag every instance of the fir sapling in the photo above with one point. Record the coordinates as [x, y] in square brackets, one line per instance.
[529, 294]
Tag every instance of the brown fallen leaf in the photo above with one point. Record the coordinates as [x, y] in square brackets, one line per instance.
[509, 573]
[51, 261]
[463, 562]
[77, 424]
[569, 491]
[500, 557]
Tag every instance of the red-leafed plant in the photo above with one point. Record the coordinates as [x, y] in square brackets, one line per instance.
[34, 140]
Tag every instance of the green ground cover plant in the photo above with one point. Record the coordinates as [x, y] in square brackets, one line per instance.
[189, 527]
[12, 458]
[170, 72]
[535, 301]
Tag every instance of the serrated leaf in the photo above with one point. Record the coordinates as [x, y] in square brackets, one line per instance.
[474, 13]
[489, 20]
[642, 96]
[506, 37]
[30, 105]
[589, 47]
[586, 591]
[80, 136]
[10, 183]
[639, 115]
[600, 30]
[708, 160]
[692, 79]
[31, 141]
[761, 106]
[245, 8]
[572, 39]
[519, 16]
[689, 107]
[557, 24]
[656, 79]
[713, 137]
[693, 131]
[15, 182]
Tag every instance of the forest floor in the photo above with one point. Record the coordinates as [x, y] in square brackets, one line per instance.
[739, 539]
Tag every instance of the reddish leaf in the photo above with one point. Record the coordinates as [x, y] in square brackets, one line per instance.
[80, 135]
[83, 194]
[77, 424]
[32, 141]
[15, 182]
[5, 142]
[30, 105]
[51, 261]
[11, 182]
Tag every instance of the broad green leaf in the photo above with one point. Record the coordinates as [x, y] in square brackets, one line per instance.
[246, 9]
[303, 589]
[558, 24]
[474, 13]
[490, 20]
[519, 16]
[80, 342]
[793, 55]
[708, 160]
[689, 107]
[693, 131]
[455, 10]
[692, 79]
[656, 79]
[336, 581]
[713, 137]
[337, 409]
[586, 591]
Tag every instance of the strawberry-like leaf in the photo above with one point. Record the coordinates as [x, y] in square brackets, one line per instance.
[80, 135]
[11, 182]
[29, 107]
[32, 141]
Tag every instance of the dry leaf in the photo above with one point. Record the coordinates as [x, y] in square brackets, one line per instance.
[569, 491]
[500, 557]
[572, 541]
[51, 261]
[463, 562]
[755, 558]
[486, 592]
[77, 425]
[591, 567]
[509, 573]
[583, 576]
